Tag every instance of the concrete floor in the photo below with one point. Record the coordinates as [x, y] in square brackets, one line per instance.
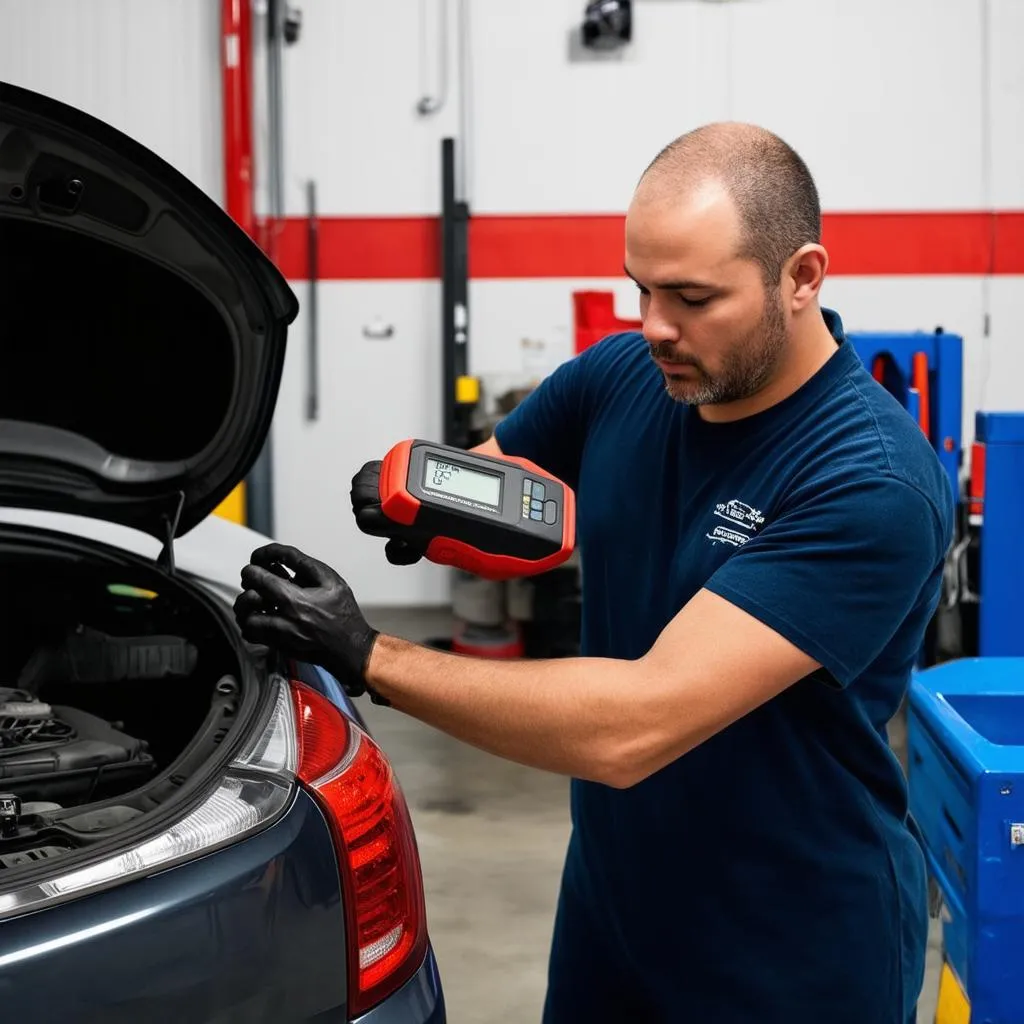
[492, 836]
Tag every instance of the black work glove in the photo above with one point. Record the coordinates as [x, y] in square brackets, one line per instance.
[405, 546]
[312, 616]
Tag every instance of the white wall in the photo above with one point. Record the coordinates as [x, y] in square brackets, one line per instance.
[910, 106]
[149, 67]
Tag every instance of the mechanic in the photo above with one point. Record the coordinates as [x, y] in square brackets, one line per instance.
[762, 531]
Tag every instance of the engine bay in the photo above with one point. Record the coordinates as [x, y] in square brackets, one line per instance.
[116, 684]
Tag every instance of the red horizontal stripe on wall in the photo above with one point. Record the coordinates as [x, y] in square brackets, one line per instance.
[859, 244]
[1009, 243]
[546, 246]
[358, 248]
[908, 243]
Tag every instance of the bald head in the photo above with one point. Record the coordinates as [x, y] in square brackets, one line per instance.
[769, 184]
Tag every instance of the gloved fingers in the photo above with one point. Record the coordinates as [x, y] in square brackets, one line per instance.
[271, 589]
[272, 631]
[366, 485]
[247, 603]
[308, 571]
[280, 571]
[400, 552]
[371, 520]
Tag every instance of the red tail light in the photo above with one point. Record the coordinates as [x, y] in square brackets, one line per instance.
[380, 867]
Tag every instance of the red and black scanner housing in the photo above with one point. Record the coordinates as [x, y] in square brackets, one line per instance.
[529, 529]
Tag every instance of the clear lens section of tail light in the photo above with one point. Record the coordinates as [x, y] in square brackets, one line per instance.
[275, 749]
[256, 788]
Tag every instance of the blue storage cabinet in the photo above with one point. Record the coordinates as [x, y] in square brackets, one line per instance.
[1000, 623]
[966, 767]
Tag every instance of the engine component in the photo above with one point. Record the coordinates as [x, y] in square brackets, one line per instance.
[33, 856]
[10, 812]
[25, 721]
[60, 754]
[89, 656]
[31, 807]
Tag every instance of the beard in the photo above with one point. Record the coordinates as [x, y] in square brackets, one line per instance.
[745, 371]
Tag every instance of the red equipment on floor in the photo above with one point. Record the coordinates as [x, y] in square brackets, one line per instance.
[594, 318]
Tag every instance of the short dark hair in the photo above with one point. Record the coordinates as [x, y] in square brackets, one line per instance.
[767, 179]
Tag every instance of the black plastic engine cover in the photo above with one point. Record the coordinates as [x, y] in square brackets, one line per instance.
[93, 761]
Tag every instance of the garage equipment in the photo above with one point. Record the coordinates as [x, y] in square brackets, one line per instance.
[986, 585]
[498, 518]
[594, 318]
[966, 770]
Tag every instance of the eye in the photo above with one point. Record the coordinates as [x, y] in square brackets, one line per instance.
[694, 303]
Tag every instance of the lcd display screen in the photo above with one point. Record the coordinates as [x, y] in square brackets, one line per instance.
[462, 482]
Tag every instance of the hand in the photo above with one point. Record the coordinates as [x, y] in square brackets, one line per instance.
[312, 616]
[403, 546]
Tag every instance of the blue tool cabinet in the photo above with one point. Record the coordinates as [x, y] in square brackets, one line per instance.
[966, 767]
[1001, 619]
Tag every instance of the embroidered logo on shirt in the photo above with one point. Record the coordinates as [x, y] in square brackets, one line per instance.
[743, 519]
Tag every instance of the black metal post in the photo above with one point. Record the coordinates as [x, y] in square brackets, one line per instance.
[454, 300]
[260, 484]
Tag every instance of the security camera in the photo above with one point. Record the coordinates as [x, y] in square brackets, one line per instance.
[292, 24]
[607, 24]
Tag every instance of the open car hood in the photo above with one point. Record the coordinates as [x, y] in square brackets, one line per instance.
[142, 332]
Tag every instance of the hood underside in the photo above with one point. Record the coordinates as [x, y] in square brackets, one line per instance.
[142, 332]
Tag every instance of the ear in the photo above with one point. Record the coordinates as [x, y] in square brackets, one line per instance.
[804, 275]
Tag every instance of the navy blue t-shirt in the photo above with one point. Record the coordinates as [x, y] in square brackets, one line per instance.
[771, 874]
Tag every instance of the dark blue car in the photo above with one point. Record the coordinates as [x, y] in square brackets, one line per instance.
[190, 830]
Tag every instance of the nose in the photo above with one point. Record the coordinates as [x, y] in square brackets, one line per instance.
[658, 326]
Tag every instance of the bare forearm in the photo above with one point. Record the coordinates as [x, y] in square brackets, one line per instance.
[578, 716]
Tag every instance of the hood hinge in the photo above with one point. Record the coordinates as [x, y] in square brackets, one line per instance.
[166, 559]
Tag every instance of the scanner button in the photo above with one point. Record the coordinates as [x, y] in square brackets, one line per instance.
[527, 486]
[538, 516]
[537, 506]
[550, 512]
[538, 492]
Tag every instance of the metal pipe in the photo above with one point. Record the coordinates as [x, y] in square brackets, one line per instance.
[312, 355]
[260, 496]
[236, 100]
[236, 67]
[464, 173]
[275, 116]
[432, 103]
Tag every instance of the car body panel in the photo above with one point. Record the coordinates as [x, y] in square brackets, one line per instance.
[252, 933]
[420, 1000]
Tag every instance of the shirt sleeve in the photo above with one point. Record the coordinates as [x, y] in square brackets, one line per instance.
[838, 573]
[550, 425]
